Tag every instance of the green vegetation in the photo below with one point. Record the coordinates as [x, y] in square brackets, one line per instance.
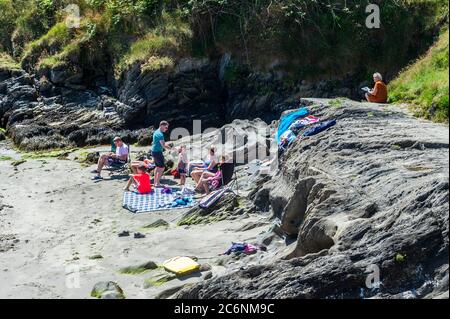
[157, 49]
[18, 162]
[56, 153]
[7, 63]
[160, 223]
[309, 38]
[94, 257]
[55, 39]
[133, 271]
[5, 158]
[159, 280]
[137, 270]
[424, 84]
[400, 257]
[337, 102]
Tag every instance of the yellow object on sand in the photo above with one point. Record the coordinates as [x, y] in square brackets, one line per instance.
[181, 265]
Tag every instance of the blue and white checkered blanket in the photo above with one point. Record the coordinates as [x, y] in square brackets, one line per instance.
[156, 200]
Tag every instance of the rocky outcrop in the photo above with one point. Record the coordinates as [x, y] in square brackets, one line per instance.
[107, 290]
[40, 115]
[189, 91]
[367, 204]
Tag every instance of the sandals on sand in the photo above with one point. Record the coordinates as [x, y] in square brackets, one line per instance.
[125, 233]
[139, 235]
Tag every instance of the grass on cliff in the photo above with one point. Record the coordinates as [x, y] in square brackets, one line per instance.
[424, 85]
[8, 63]
[158, 47]
[47, 45]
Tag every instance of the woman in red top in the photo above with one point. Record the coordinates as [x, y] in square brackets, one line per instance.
[141, 181]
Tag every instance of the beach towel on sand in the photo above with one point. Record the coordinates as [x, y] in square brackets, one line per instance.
[158, 199]
[288, 119]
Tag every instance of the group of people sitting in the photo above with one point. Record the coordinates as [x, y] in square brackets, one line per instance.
[205, 173]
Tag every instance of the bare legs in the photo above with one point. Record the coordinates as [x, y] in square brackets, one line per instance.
[130, 181]
[203, 179]
[102, 162]
[196, 175]
[203, 182]
[158, 174]
[182, 179]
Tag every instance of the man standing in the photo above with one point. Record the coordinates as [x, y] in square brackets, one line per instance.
[119, 157]
[158, 147]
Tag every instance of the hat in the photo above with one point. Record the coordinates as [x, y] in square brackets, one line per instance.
[117, 139]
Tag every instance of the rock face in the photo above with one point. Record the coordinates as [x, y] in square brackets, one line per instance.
[368, 196]
[40, 115]
[191, 90]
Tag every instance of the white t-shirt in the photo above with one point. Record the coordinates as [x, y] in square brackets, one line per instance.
[122, 151]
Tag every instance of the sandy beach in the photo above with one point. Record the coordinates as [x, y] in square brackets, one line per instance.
[59, 233]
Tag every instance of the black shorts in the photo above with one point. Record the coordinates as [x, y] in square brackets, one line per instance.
[115, 161]
[158, 157]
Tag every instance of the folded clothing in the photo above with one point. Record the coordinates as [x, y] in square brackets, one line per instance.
[319, 128]
[244, 248]
[297, 125]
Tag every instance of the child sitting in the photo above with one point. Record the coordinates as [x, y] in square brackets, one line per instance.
[182, 164]
[141, 181]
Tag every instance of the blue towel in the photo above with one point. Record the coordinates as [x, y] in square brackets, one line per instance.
[319, 128]
[288, 119]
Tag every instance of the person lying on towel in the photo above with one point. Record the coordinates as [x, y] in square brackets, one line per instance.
[379, 93]
[141, 181]
[119, 157]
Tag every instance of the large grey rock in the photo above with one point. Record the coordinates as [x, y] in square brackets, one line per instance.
[369, 193]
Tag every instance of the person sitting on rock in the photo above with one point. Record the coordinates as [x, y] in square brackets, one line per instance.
[209, 165]
[141, 181]
[210, 180]
[119, 157]
[379, 93]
